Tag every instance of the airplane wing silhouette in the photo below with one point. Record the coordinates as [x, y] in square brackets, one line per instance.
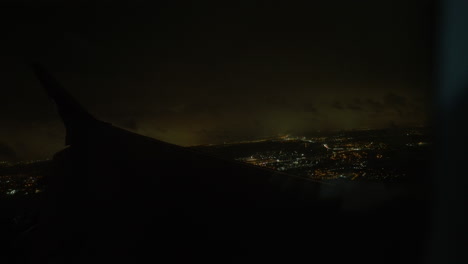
[133, 184]
[86, 135]
[120, 197]
[73, 115]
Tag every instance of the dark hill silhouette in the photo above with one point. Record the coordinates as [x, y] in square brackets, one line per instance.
[119, 197]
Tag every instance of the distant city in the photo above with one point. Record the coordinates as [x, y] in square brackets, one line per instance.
[23, 178]
[392, 155]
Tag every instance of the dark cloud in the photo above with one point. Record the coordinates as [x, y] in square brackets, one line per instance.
[7, 153]
[357, 101]
[209, 107]
[391, 101]
[216, 135]
[394, 100]
[162, 130]
[278, 102]
[373, 105]
[392, 124]
[310, 108]
[130, 124]
[354, 107]
[338, 105]
[358, 105]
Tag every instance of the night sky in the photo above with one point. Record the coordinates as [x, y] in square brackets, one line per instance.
[193, 73]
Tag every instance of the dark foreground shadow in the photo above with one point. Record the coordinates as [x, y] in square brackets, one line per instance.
[118, 197]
